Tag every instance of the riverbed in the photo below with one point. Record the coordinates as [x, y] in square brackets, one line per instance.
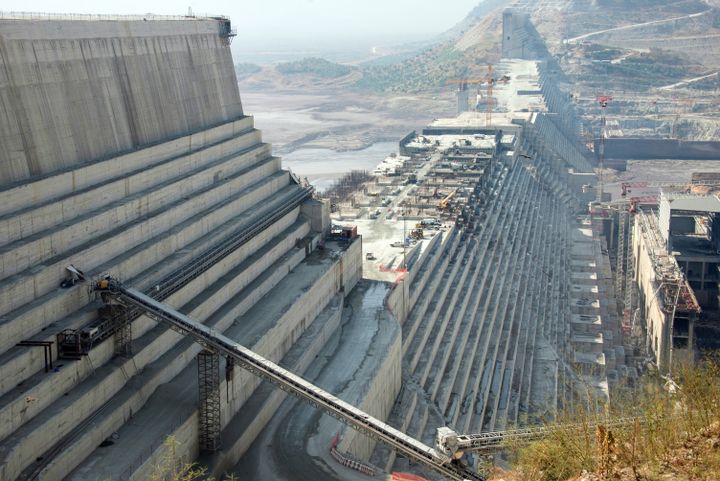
[323, 166]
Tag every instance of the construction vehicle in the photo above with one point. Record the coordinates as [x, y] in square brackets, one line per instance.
[113, 291]
[428, 223]
[417, 234]
[443, 204]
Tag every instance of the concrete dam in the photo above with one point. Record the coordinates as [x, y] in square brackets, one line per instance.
[126, 151]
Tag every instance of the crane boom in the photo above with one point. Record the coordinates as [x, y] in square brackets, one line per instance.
[288, 381]
[446, 200]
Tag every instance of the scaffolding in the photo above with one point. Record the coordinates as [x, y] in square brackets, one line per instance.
[622, 254]
[123, 331]
[209, 400]
[674, 289]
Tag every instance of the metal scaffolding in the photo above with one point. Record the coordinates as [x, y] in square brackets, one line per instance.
[630, 284]
[123, 331]
[622, 254]
[667, 271]
[209, 400]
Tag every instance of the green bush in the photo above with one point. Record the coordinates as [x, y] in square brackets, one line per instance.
[675, 437]
[314, 66]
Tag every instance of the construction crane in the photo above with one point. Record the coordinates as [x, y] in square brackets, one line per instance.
[603, 100]
[628, 204]
[489, 80]
[443, 204]
[455, 445]
[112, 290]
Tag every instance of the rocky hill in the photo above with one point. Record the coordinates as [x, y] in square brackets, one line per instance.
[463, 51]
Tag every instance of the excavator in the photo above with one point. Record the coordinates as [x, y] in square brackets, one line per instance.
[444, 458]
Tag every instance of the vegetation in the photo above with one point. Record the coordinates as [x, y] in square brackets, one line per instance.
[429, 69]
[314, 66]
[342, 188]
[676, 436]
[245, 69]
[172, 467]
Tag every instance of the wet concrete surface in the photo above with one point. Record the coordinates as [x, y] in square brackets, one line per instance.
[295, 445]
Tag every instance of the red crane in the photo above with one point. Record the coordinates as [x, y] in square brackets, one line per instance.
[489, 80]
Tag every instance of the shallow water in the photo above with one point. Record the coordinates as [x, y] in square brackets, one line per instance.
[323, 166]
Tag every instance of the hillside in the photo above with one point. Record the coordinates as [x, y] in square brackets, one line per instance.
[465, 50]
[675, 436]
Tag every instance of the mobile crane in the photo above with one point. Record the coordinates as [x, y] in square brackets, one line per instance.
[443, 204]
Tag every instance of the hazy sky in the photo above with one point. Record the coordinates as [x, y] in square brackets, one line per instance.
[262, 20]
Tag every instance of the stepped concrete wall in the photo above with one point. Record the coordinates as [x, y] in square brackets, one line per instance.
[79, 91]
[639, 149]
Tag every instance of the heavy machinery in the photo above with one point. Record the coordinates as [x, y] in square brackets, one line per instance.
[113, 291]
[443, 204]
[489, 80]
[454, 445]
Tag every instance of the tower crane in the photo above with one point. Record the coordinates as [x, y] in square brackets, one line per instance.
[489, 80]
[603, 101]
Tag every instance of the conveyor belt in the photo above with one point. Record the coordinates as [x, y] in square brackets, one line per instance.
[186, 273]
[289, 382]
[494, 440]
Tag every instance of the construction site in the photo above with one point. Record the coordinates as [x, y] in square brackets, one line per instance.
[162, 275]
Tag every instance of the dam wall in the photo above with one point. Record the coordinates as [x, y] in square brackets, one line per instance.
[382, 368]
[126, 151]
[73, 92]
[644, 149]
